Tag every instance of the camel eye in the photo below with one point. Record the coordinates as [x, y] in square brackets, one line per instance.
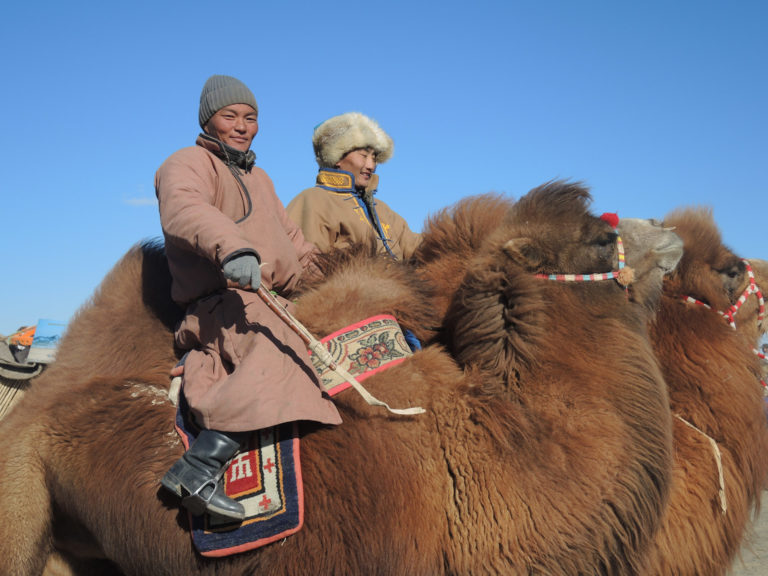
[607, 240]
[729, 273]
[605, 249]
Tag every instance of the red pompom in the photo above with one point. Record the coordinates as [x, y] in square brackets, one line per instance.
[610, 217]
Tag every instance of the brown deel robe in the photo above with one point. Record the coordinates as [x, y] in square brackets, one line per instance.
[246, 370]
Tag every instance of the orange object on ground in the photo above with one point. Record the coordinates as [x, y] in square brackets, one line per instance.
[23, 337]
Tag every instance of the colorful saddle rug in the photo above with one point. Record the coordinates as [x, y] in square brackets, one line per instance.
[266, 478]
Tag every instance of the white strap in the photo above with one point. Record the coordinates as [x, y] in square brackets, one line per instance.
[318, 348]
[718, 461]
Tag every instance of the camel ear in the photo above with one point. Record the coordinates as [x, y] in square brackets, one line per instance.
[523, 252]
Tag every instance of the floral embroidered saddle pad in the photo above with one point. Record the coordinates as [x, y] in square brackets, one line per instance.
[266, 478]
[363, 349]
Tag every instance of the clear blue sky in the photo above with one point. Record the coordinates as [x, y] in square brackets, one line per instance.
[655, 105]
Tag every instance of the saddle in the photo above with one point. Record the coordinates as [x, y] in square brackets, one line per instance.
[266, 476]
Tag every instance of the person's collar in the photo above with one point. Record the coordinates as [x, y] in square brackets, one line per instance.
[342, 181]
[230, 156]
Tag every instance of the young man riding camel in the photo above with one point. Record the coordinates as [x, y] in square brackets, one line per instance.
[226, 232]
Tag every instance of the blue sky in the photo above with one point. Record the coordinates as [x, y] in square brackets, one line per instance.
[654, 105]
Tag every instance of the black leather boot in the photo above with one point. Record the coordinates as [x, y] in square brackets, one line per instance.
[196, 476]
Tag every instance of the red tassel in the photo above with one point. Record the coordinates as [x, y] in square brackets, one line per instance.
[611, 217]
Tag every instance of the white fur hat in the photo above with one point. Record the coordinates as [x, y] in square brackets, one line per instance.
[341, 134]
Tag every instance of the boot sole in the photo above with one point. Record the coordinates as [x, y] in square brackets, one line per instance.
[170, 482]
[196, 505]
[226, 514]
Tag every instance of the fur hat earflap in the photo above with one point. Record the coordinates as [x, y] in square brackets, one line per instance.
[337, 136]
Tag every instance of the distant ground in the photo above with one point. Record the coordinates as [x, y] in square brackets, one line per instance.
[754, 560]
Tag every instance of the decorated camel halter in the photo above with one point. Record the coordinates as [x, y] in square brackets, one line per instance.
[623, 274]
[730, 313]
[748, 291]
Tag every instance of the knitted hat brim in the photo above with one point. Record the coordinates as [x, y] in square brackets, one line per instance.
[220, 91]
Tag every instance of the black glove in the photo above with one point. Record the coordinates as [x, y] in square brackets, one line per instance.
[244, 270]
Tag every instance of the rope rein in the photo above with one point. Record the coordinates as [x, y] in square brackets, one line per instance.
[319, 348]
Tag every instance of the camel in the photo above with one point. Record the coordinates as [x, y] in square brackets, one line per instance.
[528, 461]
[716, 397]
[708, 368]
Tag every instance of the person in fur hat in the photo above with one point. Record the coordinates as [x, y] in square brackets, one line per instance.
[341, 209]
[226, 233]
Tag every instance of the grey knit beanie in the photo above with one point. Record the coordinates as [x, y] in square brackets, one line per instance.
[341, 134]
[220, 91]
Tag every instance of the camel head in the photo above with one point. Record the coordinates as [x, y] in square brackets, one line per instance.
[550, 233]
[712, 274]
[708, 271]
[652, 252]
[572, 241]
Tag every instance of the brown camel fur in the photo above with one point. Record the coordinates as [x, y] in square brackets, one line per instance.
[451, 239]
[547, 366]
[547, 463]
[713, 378]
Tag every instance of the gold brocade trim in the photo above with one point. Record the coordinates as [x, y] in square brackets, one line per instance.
[334, 179]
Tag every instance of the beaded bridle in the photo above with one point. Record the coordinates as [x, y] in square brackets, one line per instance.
[730, 314]
[623, 274]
